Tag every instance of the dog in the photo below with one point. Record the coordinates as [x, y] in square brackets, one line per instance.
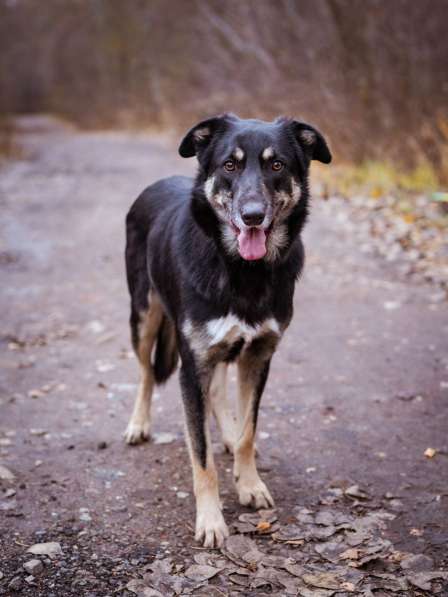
[211, 268]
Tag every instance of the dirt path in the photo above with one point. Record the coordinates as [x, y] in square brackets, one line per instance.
[358, 392]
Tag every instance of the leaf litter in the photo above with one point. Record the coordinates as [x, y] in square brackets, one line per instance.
[322, 552]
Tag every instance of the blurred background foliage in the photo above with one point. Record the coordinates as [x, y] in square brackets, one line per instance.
[371, 73]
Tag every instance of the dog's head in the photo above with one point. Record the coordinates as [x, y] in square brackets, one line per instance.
[253, 176]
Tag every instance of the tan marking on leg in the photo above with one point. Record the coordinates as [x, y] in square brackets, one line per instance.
[221, 407]
[251, 489]
[139, 424]
[211, 528]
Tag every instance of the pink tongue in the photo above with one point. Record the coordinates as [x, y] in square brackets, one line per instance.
[252, 243]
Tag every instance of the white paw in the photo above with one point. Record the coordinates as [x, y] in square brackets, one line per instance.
[137, 432]
[211, 528]
[254, 493]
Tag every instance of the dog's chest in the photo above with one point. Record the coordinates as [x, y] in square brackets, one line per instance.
[230, 329]
[217, 336]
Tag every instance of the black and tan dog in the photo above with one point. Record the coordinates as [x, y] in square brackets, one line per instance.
[211, 267]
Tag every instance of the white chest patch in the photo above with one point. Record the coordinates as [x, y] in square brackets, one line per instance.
[230, 329]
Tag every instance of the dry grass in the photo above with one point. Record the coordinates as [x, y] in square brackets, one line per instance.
[375, 179]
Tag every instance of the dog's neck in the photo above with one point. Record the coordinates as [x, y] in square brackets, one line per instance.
[251, 285]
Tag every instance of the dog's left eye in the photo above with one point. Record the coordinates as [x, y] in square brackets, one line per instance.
[229, 165]
[277, 165]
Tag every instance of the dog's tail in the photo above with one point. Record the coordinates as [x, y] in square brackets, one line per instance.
[166, 353]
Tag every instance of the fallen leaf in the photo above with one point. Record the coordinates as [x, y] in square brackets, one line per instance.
[295, 569]
[291, 535]
[322, 580]
[201, 572]
[239, 579]
[422, 580]
[408, 218]
[330, 550]
[417, 563]
[206, 558]
[242, 549]
[138, 587]
[349, 554]
[163, 566]
[263, 526]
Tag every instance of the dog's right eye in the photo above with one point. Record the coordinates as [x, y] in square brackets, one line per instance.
[229, 165]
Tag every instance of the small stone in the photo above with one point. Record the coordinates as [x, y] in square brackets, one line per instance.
[38, 432]
[50, 549]
[430, 452]
[36, 394]
[6, 474]
[96, 327]
[84, 515]
[355, 492]
[182, 495]
[15, 584]
[29, 579]
[391, 305]
[120, 508]
[33, 566]
[163, 438]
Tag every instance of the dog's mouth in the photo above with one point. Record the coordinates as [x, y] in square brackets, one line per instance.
[251, 241]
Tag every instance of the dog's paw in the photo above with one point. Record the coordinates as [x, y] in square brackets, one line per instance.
[137, 433]
[211, 529]
[254, 494]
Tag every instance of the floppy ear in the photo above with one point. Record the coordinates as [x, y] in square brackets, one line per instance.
[311, 141]
[200, 136]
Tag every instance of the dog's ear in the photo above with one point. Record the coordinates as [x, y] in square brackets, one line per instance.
[311, 141]
[200, 136]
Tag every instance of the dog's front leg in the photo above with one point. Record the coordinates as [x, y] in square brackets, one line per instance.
[252, 376]
[221, 407]
[210, 525]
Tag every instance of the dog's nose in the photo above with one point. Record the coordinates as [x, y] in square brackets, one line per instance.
[252, 214]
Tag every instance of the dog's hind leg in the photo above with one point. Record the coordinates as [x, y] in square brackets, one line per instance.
[221, 407]
[145, 327]
[211, 528]
[252, 376]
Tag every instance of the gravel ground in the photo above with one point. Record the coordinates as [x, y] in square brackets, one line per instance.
[353, 429]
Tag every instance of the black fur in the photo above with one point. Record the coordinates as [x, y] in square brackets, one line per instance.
[166, 354]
